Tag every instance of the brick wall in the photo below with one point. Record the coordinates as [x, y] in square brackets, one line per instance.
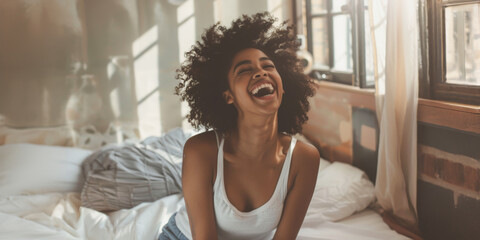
[448, 183]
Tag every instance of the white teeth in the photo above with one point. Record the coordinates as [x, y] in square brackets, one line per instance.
[264, 85]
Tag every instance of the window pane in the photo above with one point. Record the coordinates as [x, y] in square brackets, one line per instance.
[462, 44]
[337, 5]
[320, 42]
[319, 6]
[342, 43]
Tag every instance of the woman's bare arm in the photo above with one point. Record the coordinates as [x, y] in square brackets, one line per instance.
[300, 194]
[197, 180]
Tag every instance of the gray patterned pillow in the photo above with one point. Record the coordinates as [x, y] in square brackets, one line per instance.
[119, 177]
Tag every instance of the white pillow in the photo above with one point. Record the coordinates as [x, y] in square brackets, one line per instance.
[323, 164]
[35, 169]
[341, 190]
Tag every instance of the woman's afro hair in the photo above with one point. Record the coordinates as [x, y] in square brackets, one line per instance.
[203, 75]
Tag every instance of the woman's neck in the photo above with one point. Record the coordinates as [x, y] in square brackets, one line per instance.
[254, 139]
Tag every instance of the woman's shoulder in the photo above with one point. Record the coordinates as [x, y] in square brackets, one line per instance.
[200, 157]
[305, 155]
[204, 138]
[202, 145]
[306, 148]
[305, 163]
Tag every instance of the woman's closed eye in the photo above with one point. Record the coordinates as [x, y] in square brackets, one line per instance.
[244, 70]
[249, 69]
[269, 66]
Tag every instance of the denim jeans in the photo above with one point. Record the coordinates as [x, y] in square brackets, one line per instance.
[171, 232]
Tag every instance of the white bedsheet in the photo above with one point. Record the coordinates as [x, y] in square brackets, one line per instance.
[60, 216]
[57, 216]
[364, 225]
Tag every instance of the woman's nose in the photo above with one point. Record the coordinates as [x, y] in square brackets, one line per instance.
[260, 74]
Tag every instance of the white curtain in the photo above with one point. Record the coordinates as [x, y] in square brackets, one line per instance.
[396, 101]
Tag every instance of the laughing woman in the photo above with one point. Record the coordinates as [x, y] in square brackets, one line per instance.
[248, 178]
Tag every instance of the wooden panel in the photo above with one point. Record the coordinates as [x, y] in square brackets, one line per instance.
[458, 116]
[330, 124]
[355, 96]
[365, 141]
[449, 140]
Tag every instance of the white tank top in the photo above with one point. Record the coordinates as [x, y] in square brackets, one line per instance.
[233, 224]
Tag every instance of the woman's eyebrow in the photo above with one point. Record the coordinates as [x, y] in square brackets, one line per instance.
[265, 58]
[241, 63]
[248, 61]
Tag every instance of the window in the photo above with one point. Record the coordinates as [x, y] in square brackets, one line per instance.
[454, 51]
[335, 36]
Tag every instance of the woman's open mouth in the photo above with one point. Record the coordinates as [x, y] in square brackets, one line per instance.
[263, 90]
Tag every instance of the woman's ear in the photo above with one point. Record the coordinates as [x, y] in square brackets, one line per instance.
[227, 96]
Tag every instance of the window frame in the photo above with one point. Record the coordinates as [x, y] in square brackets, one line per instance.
[435, 85]
[356, 12]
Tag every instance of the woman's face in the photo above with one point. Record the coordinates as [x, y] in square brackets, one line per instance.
[254, 83]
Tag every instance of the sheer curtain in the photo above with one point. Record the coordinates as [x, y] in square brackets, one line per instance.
[396, 101]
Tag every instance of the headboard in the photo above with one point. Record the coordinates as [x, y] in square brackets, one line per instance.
[343, 125]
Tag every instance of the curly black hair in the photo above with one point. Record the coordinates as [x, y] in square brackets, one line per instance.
[203, 75]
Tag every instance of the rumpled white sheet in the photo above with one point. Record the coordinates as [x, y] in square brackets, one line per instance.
[364, 225]
[60, 216]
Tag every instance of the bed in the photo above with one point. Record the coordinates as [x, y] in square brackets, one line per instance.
[46, 201]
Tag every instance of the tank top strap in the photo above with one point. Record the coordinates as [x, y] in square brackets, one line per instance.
[219, 175]
[217, 137]
[283, 181]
